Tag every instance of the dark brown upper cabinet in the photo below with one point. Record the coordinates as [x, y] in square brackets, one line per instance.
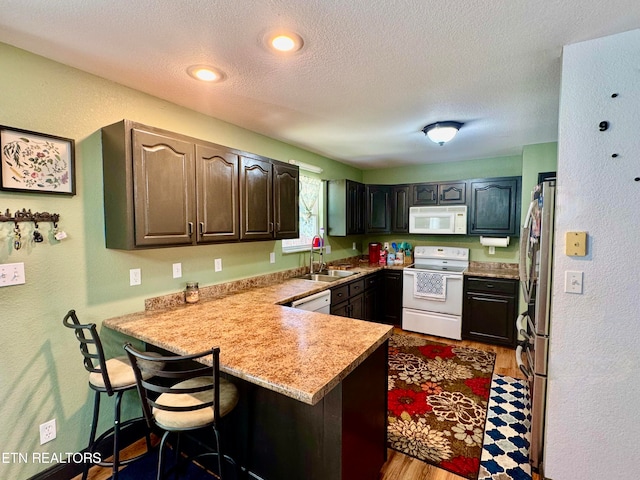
[400, 209]
[269, 192]
[443, 193]
[494, 206]
[217, 194]
[378, 208]
[346, 204]
[286, 198]
[166, 189]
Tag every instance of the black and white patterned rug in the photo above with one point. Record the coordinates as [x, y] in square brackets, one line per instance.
[505, 453]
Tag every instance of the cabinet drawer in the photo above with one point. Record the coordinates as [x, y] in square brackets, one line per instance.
[356, 287]
[371, 281]
[339, 294]
[492, 285]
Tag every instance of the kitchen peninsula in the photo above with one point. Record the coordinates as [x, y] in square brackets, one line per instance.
[313, 386]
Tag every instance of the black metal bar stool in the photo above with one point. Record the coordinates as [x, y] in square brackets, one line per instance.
[185, 396]
[113, 377]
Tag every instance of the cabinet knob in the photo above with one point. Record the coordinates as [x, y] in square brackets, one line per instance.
[190, 224]
[201, 228]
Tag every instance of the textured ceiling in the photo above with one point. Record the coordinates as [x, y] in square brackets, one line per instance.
[372, 73]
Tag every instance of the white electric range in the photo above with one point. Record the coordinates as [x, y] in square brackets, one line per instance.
[432, 291]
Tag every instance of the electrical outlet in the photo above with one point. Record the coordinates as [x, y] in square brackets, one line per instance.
[218, 264]
[354, 246]
[177, 270]
[135, 277]
[327, 249]
[272, 257]
[47, 431]
[12, 274]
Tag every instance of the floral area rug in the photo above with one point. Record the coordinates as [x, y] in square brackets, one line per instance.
[437, 402]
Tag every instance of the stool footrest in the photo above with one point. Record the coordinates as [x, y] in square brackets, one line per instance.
[126, 439]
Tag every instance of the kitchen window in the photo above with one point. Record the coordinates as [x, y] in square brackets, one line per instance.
[310, 200]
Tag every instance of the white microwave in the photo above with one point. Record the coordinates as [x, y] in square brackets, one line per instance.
[438, 220]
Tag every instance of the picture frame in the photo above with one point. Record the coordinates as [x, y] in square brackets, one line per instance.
[36, 162]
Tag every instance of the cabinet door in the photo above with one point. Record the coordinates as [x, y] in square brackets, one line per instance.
[489, 318]
[355, 208]
[494, 206]
[452, 193]
[424, 194]
[285, 200]
[340, 309]
[217, 194]
[371, 305]
[378, 209]
[256, 211]
[356, 307]
[392, 294]
[164, 189]
[400, 209]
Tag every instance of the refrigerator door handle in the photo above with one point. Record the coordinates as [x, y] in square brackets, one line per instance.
[524, 251]
[521, 325]
[520, 363]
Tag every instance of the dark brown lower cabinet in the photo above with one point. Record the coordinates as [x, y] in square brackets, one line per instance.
[489, 310]
[358, 299]
[392, 297]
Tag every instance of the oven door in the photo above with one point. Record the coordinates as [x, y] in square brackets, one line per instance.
[450, 305]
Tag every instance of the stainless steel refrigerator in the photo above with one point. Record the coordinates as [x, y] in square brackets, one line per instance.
[536, 261]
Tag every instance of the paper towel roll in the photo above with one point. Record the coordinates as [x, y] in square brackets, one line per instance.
[494, 241]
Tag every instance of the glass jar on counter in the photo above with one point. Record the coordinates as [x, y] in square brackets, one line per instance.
[192, 292]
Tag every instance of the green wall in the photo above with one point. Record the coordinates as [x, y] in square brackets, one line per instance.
[41, 376]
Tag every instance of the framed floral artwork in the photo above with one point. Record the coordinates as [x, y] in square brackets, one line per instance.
[36, 162]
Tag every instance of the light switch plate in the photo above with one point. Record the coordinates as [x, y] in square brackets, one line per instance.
[573, 282]
[12, 274]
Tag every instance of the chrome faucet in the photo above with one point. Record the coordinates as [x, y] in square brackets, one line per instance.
[320, 249]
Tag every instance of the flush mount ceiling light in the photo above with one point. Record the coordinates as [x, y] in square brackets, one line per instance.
[205, 73]
[442, 132]
[284, 42]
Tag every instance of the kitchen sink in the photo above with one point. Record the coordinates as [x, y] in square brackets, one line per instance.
[339, 273]
[319, 277]
[327, 276]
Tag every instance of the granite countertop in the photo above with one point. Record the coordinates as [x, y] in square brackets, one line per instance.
[297, 353]
[493, 270]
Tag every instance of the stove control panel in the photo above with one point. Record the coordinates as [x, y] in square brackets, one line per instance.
[449, 253]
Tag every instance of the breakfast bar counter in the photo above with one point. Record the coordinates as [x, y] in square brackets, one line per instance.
[313, 386]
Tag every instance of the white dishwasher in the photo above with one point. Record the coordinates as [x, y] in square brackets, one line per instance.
[318, 302]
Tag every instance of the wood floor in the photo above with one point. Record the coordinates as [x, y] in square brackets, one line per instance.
[398, 466]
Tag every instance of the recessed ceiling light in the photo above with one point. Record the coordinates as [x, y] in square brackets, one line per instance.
[284, 42]
[205, 73]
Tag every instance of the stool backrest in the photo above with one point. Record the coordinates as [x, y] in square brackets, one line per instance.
[90, 347]
[157, 375]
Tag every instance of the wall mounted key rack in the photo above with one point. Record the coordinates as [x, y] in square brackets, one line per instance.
[25, 215]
